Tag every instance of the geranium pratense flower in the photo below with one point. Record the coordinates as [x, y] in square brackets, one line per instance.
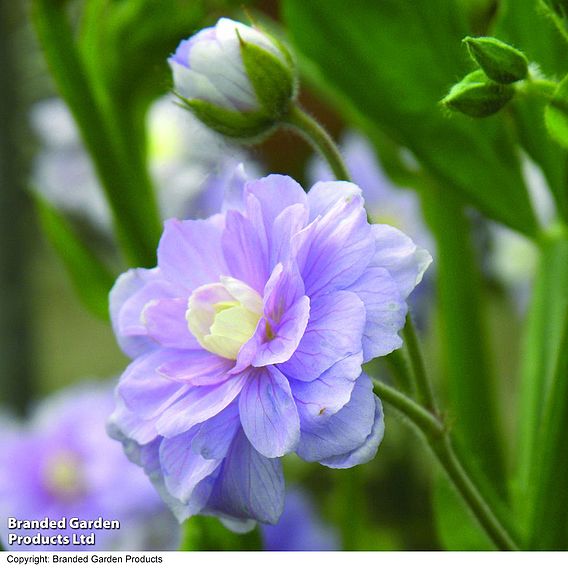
[62, 464]
[248, 340]
[237, 80]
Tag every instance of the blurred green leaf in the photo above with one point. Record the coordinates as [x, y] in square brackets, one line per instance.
[524, 24]
[463, 340]
[548, 495]
[127, 43]
[91, 279]
[391, 63]
[542, 348]
[105, 132]
[557, 11]
[125, 47]
[208, 534]
[457, 529]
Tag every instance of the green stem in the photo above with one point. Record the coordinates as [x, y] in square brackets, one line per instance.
[127, 188]
[540, 88]
[424, 391]
[399, 367]
[426, 422]
[439, 441]
[315, 134]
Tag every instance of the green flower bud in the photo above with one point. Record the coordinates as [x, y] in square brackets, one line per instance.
[500, 62]
[476, 96]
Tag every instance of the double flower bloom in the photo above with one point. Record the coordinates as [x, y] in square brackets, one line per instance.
[248, 340]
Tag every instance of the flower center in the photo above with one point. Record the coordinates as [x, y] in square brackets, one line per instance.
[62, 475]
[223, 316]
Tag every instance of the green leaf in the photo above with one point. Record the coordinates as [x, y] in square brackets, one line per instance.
[389, 63]
[524, 24]
[557, 10]
[91, 279]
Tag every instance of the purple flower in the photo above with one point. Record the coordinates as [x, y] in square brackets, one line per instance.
[248, 340]
[299, 528]
[63, 464]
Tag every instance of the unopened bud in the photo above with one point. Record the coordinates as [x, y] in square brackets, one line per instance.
[500, 62]
[235, 79]
[476, 97]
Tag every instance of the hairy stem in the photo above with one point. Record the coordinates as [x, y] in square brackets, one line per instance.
[317, 136]
[424, 390]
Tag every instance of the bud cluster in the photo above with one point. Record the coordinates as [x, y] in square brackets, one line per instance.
[488, 89]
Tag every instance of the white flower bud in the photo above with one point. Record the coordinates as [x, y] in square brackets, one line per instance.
[234, 78]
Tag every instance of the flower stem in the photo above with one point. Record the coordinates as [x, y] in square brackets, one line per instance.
[424, 390]
[318, 137]
[539, 88]
[400, 369]
[436, 434]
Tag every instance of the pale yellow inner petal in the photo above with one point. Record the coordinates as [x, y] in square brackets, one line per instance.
[223, 316]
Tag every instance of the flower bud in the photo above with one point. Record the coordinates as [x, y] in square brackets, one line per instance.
[476, 96]
[234, 78]
[501, 62]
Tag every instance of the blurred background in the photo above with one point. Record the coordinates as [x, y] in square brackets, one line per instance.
[55, 334]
